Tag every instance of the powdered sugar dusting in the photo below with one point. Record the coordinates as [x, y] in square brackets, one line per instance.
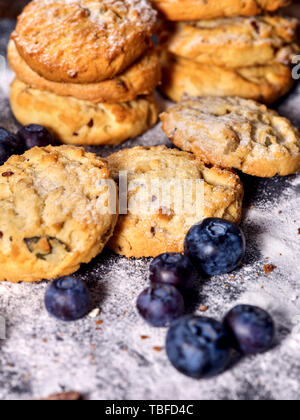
[42, 356]
[65, 34]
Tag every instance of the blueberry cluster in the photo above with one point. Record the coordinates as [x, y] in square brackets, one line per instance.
[27, 137]
[214, 246]
[200, 347]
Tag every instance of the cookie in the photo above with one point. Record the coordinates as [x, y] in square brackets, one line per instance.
[54, 212]
[262, 83]
[235, 133]
[139, 79]
[84, 41]
[159, 214]
[236, 42]
[80, 122]
[211, 9]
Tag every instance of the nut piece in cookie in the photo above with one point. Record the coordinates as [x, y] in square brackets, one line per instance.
[235, 133]
[236, 42]
[168, 192]
[84, 41]
[210, 9]
[54, 213]
[182, 77]
[79, 122]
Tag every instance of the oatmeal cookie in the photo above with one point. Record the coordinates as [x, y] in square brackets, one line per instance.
[236, 42]
[235, 133]
[83, 41]
[211, 9]
[81, 122]
[54, 212]
[262, 83]
[139, 79]
[158, 217]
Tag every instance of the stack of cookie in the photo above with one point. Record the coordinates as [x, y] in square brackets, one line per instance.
[223, 49]
[86, 70]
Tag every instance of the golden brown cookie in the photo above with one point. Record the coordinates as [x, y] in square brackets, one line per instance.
[163, 203]
[54, 212]
[262, 83]
[235, 133]
[80, 122]
[212, 9]
[83, 41]
[139, 79]
[236, 42]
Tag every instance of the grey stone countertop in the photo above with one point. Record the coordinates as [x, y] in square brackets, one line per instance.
[107, 358]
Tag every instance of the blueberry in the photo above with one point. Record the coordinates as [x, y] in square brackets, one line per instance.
[9, 145]
[34, 135]
[251, 329]
[67, 299]
[198, 346]
[160, 304]
[174, 269]
[216, 246]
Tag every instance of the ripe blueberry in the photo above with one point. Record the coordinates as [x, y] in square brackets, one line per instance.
[251, 329]
[67, 299]
[174, 269]
[9, 145]
[160, 304]
[198, 346]
[34, 135]
[216, 246]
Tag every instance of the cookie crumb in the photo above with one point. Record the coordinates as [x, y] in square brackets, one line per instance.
[94, 313]
[64, 396]
[269, 268]
[157, 348]
[144, 337]
[203, 308]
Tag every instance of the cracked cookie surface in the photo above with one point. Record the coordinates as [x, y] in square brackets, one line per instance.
[236, 42]
[83, 41]
[79, 122]
[54, 213]
[139, 79]
[182, 76]
[235, 133]
[211, 9]
[158, 217]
